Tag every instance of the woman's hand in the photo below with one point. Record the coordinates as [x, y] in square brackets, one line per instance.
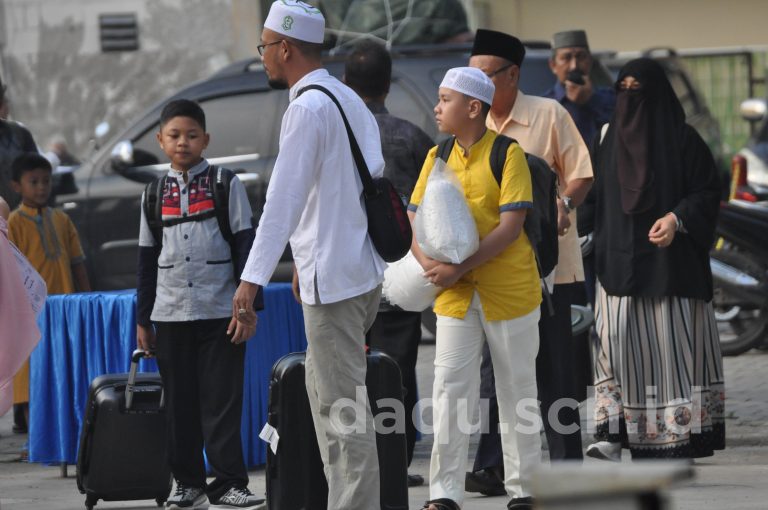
[663, 232]
[444, 275]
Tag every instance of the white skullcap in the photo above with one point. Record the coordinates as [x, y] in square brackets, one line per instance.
[470, 81]
[296, 19]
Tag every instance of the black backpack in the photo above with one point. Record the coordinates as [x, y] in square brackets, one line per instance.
[541, 221]
[153, 206]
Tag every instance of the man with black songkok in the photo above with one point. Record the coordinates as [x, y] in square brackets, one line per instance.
[543, 128]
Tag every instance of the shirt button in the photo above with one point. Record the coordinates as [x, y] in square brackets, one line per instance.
[186, 236]
[184, 215]
[187, 259]
[184, 191]
[189, 284]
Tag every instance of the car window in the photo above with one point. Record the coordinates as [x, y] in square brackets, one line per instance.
[404, 102]
[238, 124]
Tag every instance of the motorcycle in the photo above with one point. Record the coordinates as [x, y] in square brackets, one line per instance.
[740, 276]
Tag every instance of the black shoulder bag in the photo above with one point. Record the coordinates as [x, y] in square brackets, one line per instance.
[388, 224]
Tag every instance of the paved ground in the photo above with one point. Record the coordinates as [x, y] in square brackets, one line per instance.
[733, 479]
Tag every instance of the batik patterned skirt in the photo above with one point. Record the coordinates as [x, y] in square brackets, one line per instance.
[658, 376]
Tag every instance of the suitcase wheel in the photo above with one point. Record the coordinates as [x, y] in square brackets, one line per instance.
[90, 501]
[160, 501]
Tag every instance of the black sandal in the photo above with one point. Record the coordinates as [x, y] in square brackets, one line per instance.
[442, 504]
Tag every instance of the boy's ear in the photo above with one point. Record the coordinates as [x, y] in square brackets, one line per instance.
[159, 137]
[207, 139]
[475, 108]
[16, 186]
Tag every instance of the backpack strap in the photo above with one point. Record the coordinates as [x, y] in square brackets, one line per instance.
[153, 208]
[222, 178]
[445, 147]
[499, 155]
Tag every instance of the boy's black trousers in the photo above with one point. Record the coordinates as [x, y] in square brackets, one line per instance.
[202, 373]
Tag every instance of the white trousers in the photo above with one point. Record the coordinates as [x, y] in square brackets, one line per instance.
[456, 392]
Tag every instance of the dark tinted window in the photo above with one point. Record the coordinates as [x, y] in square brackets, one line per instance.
[239, 124]
[404, 102]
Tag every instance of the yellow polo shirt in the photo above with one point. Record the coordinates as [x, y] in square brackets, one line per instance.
[508, 284]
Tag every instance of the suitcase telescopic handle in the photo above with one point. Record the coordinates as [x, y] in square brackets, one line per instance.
[131, 384]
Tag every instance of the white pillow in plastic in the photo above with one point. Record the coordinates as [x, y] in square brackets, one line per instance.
[445, 228]
[405, 285]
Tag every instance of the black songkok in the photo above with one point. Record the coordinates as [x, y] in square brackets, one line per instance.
[499, 44]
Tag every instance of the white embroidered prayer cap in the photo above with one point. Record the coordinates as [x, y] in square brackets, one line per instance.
[296, 19]
[470, 81]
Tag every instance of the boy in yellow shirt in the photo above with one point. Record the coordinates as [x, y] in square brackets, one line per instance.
[48, 238]
[492, 296]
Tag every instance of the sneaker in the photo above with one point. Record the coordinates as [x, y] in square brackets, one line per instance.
[240, 498]
[186, 497]
[525, 503]
[605, 450]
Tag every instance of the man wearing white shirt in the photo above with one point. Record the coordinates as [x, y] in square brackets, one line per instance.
[314, 200]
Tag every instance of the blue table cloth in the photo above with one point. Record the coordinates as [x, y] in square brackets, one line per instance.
[87, 335]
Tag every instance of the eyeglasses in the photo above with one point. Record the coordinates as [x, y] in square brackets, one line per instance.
[497, 71]
[260, 47]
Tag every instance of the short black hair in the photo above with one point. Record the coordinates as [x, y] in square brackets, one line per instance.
[182, 108]
[368, 70]
[26, 162]
[308, 49]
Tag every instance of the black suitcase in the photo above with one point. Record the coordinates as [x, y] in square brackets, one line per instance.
[295, 477]
[122, 453]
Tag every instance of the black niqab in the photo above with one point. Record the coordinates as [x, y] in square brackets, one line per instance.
[649, 124]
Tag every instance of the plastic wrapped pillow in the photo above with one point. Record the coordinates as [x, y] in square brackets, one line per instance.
[405, 285]
[444, 226]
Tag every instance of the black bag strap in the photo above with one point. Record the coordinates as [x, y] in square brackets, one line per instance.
[445, 147]
[362, 168]
[222, 178]
[153, 208]
[499, 151]
[498, 156]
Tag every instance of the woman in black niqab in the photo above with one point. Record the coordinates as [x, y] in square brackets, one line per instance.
[655, 201]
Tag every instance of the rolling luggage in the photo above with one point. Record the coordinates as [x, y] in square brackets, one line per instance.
[295, 478]
[122, 453]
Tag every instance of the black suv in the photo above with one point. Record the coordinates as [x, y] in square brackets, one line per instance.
[243, 116]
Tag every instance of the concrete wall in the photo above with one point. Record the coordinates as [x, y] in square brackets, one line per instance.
[632, 24]
[61, 83]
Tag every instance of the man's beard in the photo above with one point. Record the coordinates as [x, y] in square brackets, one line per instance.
[277, 84]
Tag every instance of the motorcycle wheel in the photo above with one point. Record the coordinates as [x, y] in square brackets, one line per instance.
[741, 328]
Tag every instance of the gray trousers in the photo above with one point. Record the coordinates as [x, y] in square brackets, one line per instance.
[335, 375]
